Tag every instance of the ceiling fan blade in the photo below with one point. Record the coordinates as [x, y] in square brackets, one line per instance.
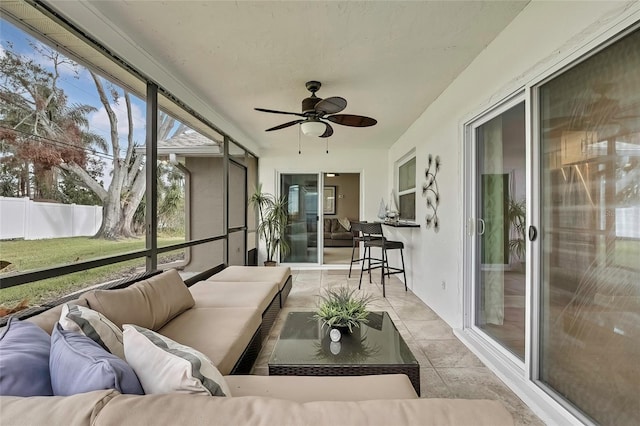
[331, 105]
[352, 120]
[279, 112]
[327, 132]
[282, 126]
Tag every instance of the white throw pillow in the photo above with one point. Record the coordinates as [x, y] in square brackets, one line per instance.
[346, 224]
[165, 366]
[94, 325]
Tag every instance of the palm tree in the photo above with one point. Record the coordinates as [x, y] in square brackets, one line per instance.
[273, 216]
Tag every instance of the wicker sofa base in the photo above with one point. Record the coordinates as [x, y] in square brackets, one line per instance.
[286, 289]
[250, 355]
[269, 316]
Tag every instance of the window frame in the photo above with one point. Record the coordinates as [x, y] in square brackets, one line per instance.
[157, 97]
[402, 162]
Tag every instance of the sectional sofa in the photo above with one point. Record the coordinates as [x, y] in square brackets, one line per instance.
[226, 317]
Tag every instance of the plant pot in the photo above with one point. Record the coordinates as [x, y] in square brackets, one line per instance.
[344, 331]
[270, 263]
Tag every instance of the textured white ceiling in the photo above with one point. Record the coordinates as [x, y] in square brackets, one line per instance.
[389, 59]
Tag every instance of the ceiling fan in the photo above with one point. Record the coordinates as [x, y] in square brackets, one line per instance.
[315, 110]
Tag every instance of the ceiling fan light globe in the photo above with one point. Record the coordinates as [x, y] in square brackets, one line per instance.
[313, 128]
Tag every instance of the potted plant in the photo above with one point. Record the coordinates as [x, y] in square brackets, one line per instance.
[343, 308]
[272, 216]
[517, 215]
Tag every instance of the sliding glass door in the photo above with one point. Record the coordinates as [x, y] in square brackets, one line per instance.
[590, 213]
[301, 233]
[499, 240]
[572, 320]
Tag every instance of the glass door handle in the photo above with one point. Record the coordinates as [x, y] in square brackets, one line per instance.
[481, 226]
[533, 233]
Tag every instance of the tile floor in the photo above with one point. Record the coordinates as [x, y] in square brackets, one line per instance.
[447, 368]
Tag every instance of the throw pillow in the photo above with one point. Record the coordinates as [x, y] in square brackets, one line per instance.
[24, 360]
[150, 303]
[94, 325]
[78, 365]
[346, 224]
[165, 366]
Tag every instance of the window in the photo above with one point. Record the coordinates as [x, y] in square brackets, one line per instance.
[82, 173]
[407, 188]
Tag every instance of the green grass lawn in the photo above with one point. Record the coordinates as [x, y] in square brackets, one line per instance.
[627, 253]
[37, 254]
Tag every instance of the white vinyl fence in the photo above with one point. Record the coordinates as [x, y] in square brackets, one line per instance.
[23, 218]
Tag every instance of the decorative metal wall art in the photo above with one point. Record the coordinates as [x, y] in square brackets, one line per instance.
[431, 192]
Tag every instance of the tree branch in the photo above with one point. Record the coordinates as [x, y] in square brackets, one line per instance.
[130, 146]
[134, 170]
[113, 120]
[86, 179]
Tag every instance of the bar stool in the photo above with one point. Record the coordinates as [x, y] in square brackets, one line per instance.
[372, 236]
[357, 239]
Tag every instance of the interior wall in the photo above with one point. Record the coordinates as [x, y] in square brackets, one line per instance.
[518, 56]
[347, 195]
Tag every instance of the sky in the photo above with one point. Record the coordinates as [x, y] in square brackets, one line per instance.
[79, 87]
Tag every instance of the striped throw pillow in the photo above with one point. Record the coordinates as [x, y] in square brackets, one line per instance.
[94, 325]
[165, 366]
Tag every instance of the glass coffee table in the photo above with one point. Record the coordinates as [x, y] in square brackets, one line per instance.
[304, 348]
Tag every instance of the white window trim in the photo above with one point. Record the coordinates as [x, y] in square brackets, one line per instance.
[399, 163]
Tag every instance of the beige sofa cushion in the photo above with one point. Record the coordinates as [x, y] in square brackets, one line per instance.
[222, 334]
[319, 388]
[150, 303]
[48, 319]
[212, 294]
[276, 274]
[168, 410]
[80, 409]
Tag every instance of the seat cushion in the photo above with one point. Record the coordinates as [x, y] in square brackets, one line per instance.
[222, 334]
[214, 294]
[150, 303]
[342, 236]
[277, 274]
[319, 388]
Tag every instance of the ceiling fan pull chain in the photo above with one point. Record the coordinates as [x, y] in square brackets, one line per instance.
[327, 141]
[299, 148]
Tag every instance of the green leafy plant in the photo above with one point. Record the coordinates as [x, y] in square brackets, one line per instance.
[343, 307]
[273, 216]
[517, 214]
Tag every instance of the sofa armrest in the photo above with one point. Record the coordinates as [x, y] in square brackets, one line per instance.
[167, 409]
[80, 409]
